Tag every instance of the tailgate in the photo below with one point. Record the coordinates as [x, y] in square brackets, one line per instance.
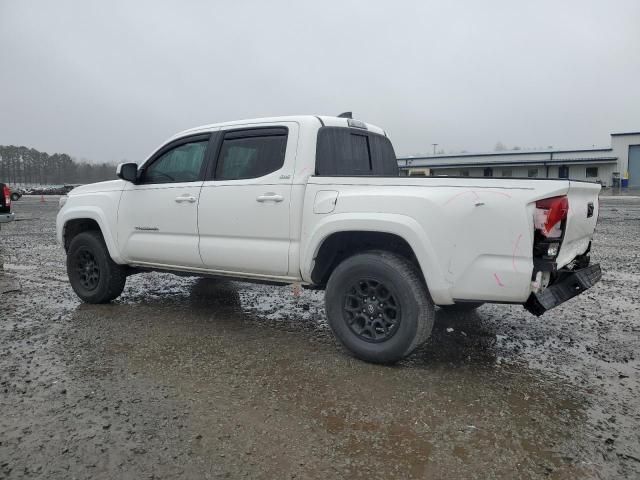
[581, 220]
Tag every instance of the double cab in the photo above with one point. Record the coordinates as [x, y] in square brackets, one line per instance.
[318, 200]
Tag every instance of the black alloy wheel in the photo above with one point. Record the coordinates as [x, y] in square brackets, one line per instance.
[371, 310]
[93, 275]
[378, 306]
[87, 269]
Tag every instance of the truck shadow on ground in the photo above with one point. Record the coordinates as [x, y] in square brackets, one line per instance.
[456, 339]
[460, 338]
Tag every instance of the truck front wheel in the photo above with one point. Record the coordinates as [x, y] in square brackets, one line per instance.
[378, 306]
[94, 276]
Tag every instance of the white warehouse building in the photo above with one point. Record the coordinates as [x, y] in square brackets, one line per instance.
[614, 166]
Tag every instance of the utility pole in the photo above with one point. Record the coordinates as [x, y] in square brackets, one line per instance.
[434, 147]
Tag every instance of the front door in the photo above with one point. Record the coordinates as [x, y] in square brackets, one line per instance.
[158, 217]
[243, 215]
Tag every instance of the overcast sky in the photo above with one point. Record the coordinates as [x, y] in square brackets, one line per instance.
[111, 80]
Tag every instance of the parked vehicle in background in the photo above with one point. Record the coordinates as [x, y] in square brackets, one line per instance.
[318, 200]
[50, 189]
[5, 204]
[16, 194]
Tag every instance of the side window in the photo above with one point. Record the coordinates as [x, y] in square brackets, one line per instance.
[251, 154]
[180, 164]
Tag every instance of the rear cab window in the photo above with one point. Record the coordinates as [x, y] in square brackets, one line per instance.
[345, 151]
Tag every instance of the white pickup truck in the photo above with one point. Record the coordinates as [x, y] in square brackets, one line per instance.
[318, 200]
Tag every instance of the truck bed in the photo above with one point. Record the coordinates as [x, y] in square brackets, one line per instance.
[474, 235]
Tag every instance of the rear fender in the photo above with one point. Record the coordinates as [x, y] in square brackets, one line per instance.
[396, 224]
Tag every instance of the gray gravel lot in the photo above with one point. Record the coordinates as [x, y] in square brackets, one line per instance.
[190, 378]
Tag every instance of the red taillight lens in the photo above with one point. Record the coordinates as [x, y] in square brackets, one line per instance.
[7, 196]
[550, 212]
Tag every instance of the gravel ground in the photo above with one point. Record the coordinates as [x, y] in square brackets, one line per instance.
[190, 378]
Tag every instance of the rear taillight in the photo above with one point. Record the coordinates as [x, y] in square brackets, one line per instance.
[550, 212]
[7, 196]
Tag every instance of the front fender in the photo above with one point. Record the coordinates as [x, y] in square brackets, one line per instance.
[400, 225]
[69, 212]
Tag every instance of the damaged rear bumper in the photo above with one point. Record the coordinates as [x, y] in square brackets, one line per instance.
[568, 286]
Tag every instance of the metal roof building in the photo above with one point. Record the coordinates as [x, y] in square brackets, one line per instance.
[604, 165]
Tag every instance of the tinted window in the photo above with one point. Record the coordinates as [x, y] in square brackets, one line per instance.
[532, 173]
[360, 156]
[180, 164]
[250, 157]
[383, 157]
[349, 151]
[488, 172]
[592, 172]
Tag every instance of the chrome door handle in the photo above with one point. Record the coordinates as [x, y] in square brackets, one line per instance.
[270, 197]
[186, 198]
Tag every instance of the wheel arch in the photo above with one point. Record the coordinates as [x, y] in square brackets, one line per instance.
[87, 220]
[342, 235]
[343, 244]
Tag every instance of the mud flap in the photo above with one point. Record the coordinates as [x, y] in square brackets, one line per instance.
[569, 286]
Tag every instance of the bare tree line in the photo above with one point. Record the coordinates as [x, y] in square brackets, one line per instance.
[23, 165]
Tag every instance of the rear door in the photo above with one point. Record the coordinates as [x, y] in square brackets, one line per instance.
[243, 214]
[158, 217]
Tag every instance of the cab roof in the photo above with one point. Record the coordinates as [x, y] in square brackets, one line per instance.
[316, 121]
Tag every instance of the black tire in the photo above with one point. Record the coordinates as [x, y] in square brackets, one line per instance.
[409, 307]
[461, 307]
[94, 276]
[15, 196]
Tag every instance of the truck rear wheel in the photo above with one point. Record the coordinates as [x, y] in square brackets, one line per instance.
[93, 275]
[378, 306]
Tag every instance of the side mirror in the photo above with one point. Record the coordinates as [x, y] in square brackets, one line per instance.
[127, 172]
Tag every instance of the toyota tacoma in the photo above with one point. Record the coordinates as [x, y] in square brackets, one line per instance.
[317, 200]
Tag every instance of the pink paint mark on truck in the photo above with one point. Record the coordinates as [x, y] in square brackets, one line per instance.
[457, 195]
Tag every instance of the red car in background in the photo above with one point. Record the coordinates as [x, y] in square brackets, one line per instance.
[5, 204]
